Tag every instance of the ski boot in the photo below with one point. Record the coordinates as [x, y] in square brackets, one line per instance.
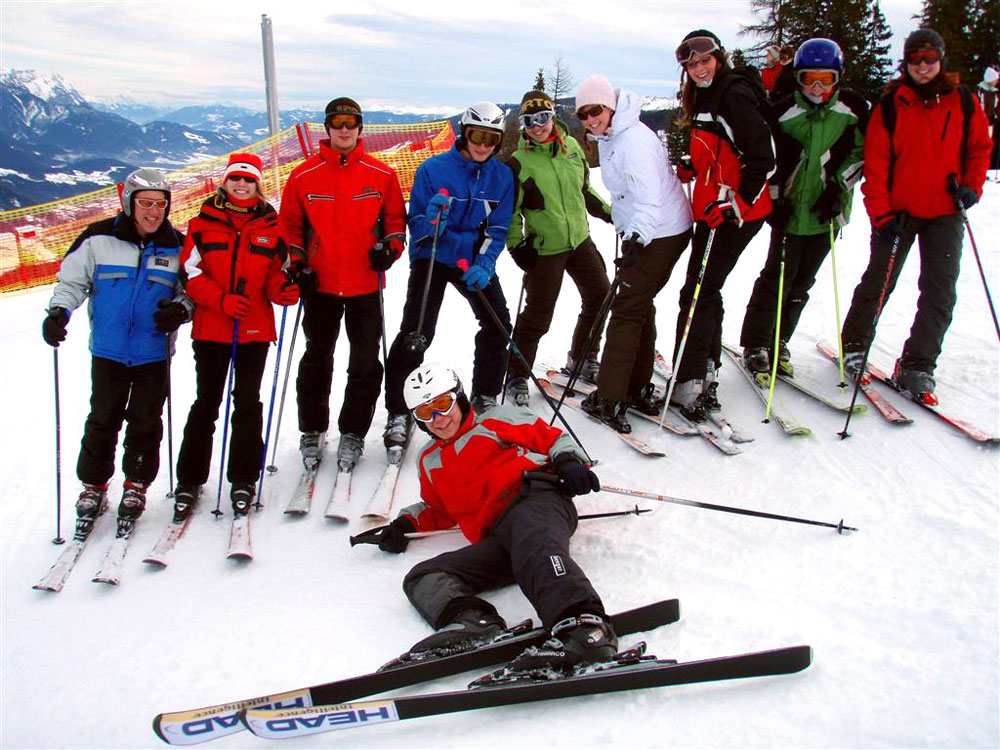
[467, 630]
[482, 403]
[349, 451]
[647, 401]
[852, 367]
[517, 391]
[241, 494]
[92, 502]
[589, 370]
[132, 505]
[185, 498]
[311, 447]
[687, 398]
[397, 431]
[785, 360]
[757, 360]
[612, 413]
[917, 385]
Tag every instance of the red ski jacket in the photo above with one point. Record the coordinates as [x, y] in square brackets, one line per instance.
[732, 153]
[470, 479]
[217, 255]
[927, 144]
[334, 208]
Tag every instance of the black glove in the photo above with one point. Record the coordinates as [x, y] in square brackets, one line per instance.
[524, 254]
[965, 198]
[393, 537]
[170, 316]
[381, 256]
[574, 476]
[890, 227]
[827, 207]
[781, 212]
[630, 251]
[304, 278]
[54, 326]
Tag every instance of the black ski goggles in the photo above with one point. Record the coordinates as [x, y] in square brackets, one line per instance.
[696, 45]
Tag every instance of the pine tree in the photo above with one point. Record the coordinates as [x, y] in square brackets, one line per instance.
[955, 21]
[539, 80]
[985, 39]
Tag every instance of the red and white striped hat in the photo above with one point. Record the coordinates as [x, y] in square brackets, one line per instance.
[247, 165]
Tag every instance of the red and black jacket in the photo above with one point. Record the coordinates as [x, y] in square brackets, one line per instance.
[217, 256]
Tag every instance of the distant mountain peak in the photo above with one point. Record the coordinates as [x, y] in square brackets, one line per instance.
[49, 87]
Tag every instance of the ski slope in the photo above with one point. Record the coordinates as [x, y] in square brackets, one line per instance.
[902, 615]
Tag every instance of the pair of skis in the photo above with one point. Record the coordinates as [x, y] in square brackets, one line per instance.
[321, 708]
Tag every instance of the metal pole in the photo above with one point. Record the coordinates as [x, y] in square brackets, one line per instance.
[58, 538]
[271, 95]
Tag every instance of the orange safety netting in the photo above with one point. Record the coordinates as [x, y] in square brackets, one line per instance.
[33, 240]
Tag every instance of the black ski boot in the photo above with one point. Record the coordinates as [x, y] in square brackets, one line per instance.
[132, 505]
[757, 360]
[468, 629]
[185, 498]
[576, 643]
[917, 385]
[647, 401]
[785, 360]
[242, 494]
[612, 413]
[92, 502]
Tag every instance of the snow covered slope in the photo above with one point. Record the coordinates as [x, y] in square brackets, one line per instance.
[902, 615]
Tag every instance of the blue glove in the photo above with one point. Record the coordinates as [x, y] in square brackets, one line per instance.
[478, 276]
[437, 210]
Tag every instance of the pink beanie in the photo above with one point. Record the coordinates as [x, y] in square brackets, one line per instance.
[596, 90]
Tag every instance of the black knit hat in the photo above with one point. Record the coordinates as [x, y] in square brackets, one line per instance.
[702, 32]
[923, 39]
[342, 106]
[536, 101]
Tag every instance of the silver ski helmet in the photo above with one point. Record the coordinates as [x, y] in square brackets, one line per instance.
[144, 178]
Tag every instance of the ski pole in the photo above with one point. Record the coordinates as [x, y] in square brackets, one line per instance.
[272, 467]
[229, 397]
[270, 406]
[55, 371]
[517, 318]
[371, 535]
[415, 340]
[463, 265]
[840, 527]
[687, 325]
[952, 187]
[890, 264]
[170, 421]
[836, 308]
[777, 332]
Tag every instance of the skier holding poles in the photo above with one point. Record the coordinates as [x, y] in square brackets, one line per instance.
[924, 130]
[343, 215]
[127, 268]
[819, 140]
[473, 474]
[232, 260]
[460, 209]
[550, 236]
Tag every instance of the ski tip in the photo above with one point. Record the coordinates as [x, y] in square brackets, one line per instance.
[155, 562]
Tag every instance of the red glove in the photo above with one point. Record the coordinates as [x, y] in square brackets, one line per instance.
[719, 213]
[287, 294]
[235, 306]
[685, 173]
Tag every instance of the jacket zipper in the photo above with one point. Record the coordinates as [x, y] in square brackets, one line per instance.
[947, 119]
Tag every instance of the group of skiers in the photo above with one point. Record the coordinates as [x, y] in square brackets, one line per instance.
[499, 472]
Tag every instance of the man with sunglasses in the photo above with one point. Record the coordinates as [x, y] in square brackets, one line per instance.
[127, 268]
[506, 478]
[819, 144]
[919, 173]
[460, 208]
[344, 219]
[550, 237]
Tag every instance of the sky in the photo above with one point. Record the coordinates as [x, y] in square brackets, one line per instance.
[407, 55]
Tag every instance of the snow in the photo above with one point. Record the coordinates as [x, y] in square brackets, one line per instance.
[195, 137]
[99, 177]
[902, 615]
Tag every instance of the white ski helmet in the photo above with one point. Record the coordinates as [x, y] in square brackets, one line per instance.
[428, 381]
[486, 115]
[145, 178]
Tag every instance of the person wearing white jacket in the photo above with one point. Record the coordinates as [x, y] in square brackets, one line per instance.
[653, 216]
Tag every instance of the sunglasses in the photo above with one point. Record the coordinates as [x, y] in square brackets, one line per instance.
[343, 121]
[241, 178]
[538, 119]
[442, 405]
[152, 202]
[697, 45]
[483, 137]
[585, 113]
[825, 78]
[928, 56]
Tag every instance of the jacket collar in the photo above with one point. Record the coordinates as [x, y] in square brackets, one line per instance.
[333, 156]
[214, 209]
[165, 236]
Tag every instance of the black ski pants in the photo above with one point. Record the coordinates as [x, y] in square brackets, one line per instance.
[627, 363]
[704, 341]
[120, 393]
[529, 546]
[585, 266]
[246, 444]
[940, 243]
[804, 255]
[490, 361]
[321, 325]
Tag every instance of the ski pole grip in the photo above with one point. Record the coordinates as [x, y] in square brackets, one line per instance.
[463, 265]
[367, 537]
[241, 287]
[953, 183]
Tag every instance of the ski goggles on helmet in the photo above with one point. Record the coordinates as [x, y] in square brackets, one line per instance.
[585, 113]
[336, 122]
[927, 56]
[536, 119]
[442, 405]
[151, 202]
[696, 45]
[825, 78]
[483, 137]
